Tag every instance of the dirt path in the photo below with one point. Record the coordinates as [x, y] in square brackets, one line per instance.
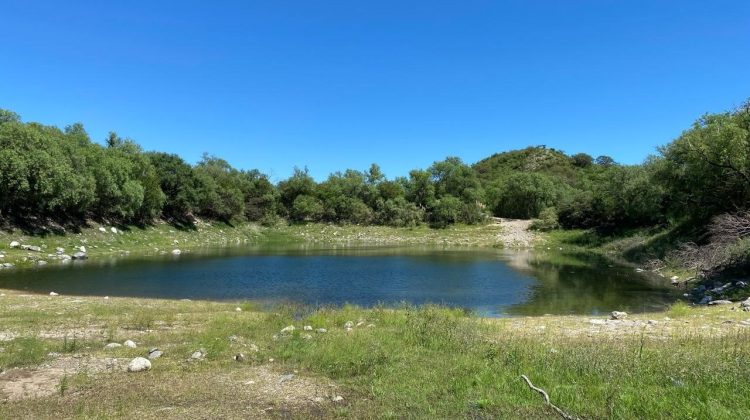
[515, 233]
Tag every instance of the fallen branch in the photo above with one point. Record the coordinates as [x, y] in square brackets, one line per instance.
[544, 395]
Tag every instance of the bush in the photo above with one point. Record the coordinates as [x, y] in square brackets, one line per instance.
[547, 220]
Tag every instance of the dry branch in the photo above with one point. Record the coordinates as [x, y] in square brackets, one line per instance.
[544, 395]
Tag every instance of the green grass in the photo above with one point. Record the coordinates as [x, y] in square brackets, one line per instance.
[407, 362]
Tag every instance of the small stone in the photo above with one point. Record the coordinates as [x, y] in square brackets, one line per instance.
[597, 321]
[286, 378]
[705, 300]
[111, 346]
[349, 324]
[59, 251]
[322, 330]
[41, 262]
[720, 302]
[652, 322]
[53, 294]
[233, 338]
[176, 252]
[307, 328]
[155, 354]
[370, 325]
[239, 357]
[307, 336]
[745, 303]
[337, 398]
[130, 344]
[254, 348]
[82, 249]
[238, 309]
[102, 229]
[15, 244]
[139, 364]
[80, 255]
[618, 315]
[287, 329]
[198, 355]
[113, 230]
[360, 323]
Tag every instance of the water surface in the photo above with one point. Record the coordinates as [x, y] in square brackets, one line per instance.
[486, 281]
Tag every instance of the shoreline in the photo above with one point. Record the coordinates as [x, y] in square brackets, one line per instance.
[67, 355]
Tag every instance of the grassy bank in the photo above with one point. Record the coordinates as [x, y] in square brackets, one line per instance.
[161, 238]
[428, 362]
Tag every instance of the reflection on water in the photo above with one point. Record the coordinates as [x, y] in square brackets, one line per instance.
[489, 282]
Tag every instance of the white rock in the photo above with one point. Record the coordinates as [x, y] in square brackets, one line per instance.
[337, 398]
[113, 230]
[102, 229]
[82, 248]
[154, 353]
[53, 294]
[348, 324]
[15, 244]
[238, 309]
[618, 315]
[652, 322]
[139, 364]
[288, 329]
[59, 250]
[176, 252]
[307, 328]
[745, 303]
[674, 278]
[129, 343]
[322, 330]
[198, 355]
[41, 262]
[720, 302]
[597, 322]
[111, 346]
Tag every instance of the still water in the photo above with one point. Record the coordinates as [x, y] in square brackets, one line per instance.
[486, 281]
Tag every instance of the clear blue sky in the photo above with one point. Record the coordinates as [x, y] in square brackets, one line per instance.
[341, 84]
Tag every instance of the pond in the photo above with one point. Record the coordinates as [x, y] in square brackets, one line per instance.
[488, 282]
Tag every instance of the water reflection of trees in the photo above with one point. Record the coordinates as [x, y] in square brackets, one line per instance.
[572, 283]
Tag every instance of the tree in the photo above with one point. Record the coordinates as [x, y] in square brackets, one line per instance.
[582, 160]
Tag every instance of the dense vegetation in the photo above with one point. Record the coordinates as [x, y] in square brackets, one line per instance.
[62, 176]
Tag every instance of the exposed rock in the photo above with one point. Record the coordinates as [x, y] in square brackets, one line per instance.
[287, 329]
[360, 323]
[349, 325]
[33, 248]
[307, 328]
[59, 251]
[239, 357]
[41, 262]
[64, 257]
[597, 321]
[322, 330]
[238, 309]
[111, 346]
[113, 229]
[102, 229]
[705, 300]
[139, 364]
[129, 343]
[652, 322]
[198, 355]
[176, 252]
[337, 398]
[618, 315]
[15, 244]
[80, 255]
[745, 303]
[82, 249]
[53, 294]
[307, 336]
[720, 302]
[154, 353]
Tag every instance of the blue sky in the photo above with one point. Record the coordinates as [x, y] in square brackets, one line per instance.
[341, 84]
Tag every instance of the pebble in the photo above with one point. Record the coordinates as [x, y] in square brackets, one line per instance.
[239, 357]
[198, 355]
[111, 346]
[285, 378]
[155, 353]
[129, 343]
[238, 309]
[176, 252]
[288, 329]
[337, 398]
[53, 294]
[139, 364]
[618, 315]
[349, 325]
[307, 328]
[720, 302]
[322, 330]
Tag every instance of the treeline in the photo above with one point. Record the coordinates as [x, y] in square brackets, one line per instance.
[49, 174]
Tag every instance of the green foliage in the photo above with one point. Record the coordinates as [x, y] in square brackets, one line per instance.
[522, 195]
[307, 208]
[547, 220]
